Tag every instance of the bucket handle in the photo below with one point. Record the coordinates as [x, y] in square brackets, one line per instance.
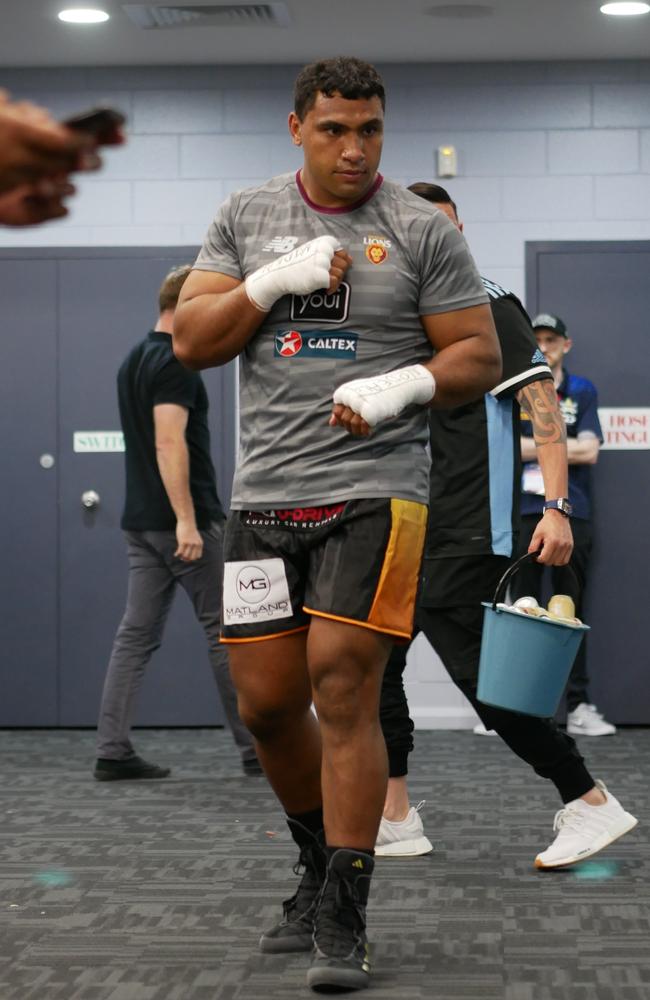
[499, 593]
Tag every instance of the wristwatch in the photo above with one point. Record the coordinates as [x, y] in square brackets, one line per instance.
[561, 504]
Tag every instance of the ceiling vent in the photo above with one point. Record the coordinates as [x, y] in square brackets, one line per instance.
[219, 15]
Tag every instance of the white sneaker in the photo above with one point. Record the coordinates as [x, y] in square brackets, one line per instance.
[480, 730]
[583, 830]
[404, 839]
[586, 720]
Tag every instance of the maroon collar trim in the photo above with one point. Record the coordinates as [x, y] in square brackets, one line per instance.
[377, 183]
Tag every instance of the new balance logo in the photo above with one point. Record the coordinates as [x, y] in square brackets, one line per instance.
[280, 244]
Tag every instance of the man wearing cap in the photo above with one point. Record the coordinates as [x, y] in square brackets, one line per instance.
[579, 405]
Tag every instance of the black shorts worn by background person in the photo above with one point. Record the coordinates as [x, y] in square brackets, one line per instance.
[356, 562]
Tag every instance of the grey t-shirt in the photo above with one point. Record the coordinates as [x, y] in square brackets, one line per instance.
[408, 261]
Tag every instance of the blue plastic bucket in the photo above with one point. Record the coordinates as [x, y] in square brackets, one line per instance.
[525, 661]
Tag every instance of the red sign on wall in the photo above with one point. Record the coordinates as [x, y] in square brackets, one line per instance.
[625, 427]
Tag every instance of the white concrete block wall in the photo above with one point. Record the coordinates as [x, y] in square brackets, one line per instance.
[615, 152]
[645, 151]
[433, 700]
[541, 146]
[545, 151]
[620, 105]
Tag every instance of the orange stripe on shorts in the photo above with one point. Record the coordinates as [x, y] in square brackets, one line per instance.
[393, 607]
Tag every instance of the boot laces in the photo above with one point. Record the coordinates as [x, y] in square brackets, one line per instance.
[309, 888]
[569, 818]
[341, 919]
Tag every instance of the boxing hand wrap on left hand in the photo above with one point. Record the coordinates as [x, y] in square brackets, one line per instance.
[383, 396]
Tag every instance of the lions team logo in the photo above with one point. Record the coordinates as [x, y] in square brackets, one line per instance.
[288, 344]
[376, 253]
[376, 249]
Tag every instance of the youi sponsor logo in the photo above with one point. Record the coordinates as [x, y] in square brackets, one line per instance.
[322, 306]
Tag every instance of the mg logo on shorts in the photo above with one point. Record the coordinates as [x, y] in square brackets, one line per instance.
[255, 592]
[321, 306]
[253, 584]
[316, 344]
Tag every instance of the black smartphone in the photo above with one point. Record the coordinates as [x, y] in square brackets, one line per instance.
[103, 123]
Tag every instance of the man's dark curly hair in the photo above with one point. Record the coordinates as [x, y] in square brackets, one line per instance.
[351, 78]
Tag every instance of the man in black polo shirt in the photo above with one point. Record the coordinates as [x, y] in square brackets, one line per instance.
[173, 523]
[473, 527]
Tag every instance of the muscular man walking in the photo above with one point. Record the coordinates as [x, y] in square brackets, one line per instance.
[335, 289]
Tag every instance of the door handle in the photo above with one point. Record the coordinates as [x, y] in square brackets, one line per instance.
[90, 499]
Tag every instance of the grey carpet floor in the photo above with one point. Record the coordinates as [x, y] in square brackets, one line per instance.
[158, 890]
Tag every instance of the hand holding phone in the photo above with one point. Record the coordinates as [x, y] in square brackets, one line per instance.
[104, 124]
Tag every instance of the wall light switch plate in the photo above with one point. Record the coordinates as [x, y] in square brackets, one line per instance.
[447, 161]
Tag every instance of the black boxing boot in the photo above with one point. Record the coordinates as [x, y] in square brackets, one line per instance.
[341, 959]
[294, 932]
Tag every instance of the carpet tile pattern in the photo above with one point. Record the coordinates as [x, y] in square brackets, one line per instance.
[158, 890]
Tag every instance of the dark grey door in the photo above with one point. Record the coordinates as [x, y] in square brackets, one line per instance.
[99, 304]
[28, 437]
[602, 291]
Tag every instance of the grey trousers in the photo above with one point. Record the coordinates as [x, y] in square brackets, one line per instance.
[154, 573]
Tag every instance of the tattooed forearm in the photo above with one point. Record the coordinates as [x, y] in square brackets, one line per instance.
[539, 401]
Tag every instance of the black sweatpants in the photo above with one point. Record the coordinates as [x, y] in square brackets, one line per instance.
[529, 581]
[455, 634]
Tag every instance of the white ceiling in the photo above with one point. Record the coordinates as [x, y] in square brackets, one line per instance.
[379, 30]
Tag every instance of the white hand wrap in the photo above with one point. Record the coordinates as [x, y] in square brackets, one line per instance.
[300, 271]
[376, 399]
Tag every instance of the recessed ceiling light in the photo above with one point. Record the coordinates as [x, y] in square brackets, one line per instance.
[624, 9]
[83, 15]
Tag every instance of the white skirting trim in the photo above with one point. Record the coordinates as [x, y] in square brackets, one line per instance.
[453, 717]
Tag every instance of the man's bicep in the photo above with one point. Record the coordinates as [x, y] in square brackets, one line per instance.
[444, 329]
[200, 282]
[170, 420]
[523, 362]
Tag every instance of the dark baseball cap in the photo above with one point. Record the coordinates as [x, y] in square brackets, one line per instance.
[547, 322]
